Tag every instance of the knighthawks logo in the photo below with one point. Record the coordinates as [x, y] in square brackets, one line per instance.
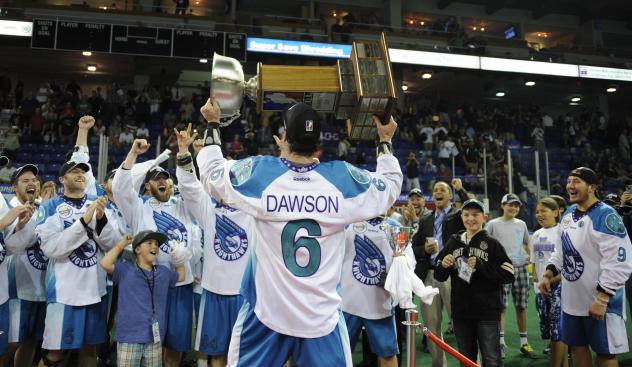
[361, 176]
[85, 255]
[231, 241]
[172, 227]
[573, 264]
[369, 266]
[615, 224]
[241, 171]
[36, 257]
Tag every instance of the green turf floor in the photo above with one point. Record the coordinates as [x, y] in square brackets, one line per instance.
[513, 357]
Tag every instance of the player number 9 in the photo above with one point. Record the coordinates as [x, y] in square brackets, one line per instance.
[622, 255]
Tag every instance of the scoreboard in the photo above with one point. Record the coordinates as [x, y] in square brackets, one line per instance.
[134, 40]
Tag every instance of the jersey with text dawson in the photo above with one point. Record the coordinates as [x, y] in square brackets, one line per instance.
[74, 276]
[228, 235]
[146, 213]
[596, 250]
[300, 213]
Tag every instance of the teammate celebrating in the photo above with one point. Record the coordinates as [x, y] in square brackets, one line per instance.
[165, 213]
[300, 208]
[228, 234]
[595, 262]
[74, 232]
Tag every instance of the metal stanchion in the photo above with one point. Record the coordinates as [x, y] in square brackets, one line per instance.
[412, 317]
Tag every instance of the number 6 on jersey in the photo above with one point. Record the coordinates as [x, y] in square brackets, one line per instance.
[290, 246]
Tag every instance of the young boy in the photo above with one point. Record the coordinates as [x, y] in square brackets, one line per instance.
[142, 301]
[478, 266]
[513, 235]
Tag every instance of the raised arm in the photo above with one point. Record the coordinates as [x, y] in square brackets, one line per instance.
[82, 153]
[123, 191]
[109, 259]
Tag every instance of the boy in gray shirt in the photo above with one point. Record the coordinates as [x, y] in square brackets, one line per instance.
[513, 235]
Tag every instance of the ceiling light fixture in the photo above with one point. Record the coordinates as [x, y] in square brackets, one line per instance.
[529, 83]
[86, 53]
[576, 99]
[426, 76]
[404, 87]
[500, 93]
[203, 61]
[473, 28]
[482, 29]
[611, 89]
[92, 67]
[422, 23]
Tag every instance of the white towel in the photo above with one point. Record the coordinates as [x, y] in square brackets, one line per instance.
[402, 281]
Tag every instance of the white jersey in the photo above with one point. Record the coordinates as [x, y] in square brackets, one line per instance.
[4, 277]
[596, 251]
[27, 267]
[543, 242]
[74, 276]
[228, 235]
[147, 213]
[300, 213]
[367, 259]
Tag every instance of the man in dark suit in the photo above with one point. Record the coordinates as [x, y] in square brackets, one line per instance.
[438, 225]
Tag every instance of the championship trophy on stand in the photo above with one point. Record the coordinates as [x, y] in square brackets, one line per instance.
[354, 89]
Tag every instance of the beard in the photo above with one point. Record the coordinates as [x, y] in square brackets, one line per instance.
[162, 196]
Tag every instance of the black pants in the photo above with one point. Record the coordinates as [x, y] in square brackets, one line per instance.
[472, 335]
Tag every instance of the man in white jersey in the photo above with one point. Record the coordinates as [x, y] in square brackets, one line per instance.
[228, 233]
[300, 206]
[27, 270]
[595, 262]
[365, 302]
[165, 213]
[75, 231]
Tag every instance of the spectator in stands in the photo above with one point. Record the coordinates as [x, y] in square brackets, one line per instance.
[143, 109]
[176, 91]
[6, 173]
[83, 106]
[624, 145]
[114, 132]
[251, 145]
[343, 147]
[66, 124]
[169, 120]
[142, 132]
[444, 173]
[447, 150]
[186, 110]
[236, 147]
[126, 137]
[470, 156]
[181, 6]
[426, 136]
[49, 133]
[538, 138]
[37, 124]
[96, 101]
[429, 172]
[12, 142]
[29, 104]
[43, 93]
[412, 172]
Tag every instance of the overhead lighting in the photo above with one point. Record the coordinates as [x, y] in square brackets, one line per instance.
[334, 14]
[422, 23]
[611, 89]
[426, 76]
[86, 53]
[539, 34]
[529, 83]
[411, 21]
[500, 93]
[103, 7]
[576, 99]
[474, 28]
[546, 35]
[92, 67]
[482, 29]
[203, 61]
[573, 104]
[404, 87]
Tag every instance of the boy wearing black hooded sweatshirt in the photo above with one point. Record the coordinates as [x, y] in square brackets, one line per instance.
[479, 266]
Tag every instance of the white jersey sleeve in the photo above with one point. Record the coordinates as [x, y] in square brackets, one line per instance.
[82, 155]
[17, 242]
[615, 249]
[196, 200]
[126, 198]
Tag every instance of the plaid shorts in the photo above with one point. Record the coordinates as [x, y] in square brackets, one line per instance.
[519, 288]
[130, 354]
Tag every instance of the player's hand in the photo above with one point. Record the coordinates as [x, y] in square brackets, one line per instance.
[448, 261]
[100, 207]
[626, 198]
[26, 216]
[385, 132]
[471, 262]
[13, 214]
[545, 286]
[431, 247]
[198, 144]
[127, 239]
[87, 216]
[597, 309]
[86, 122]
[139, 146]
[457, 184]
[184, 138]
[211, 111]
[283, 145]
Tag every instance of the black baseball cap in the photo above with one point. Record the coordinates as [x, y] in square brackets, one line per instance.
[585, 174]
[302, 124]
[155, 172]
[511, 198]
[110, 174]
[20, 170]
[612, 199]
[4, 160]
[415, 191]
[473, 204]
[68, 166]
[143, 236]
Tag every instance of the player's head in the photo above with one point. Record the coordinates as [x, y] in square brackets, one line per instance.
[441, 194]
[417, 200]
[72, 176]
[146, 245]
[510, 205]
[473, 215]
[25, 183]
[157, 183]
[581, 185]
[107, 185]
[547, 212]
[302, 129]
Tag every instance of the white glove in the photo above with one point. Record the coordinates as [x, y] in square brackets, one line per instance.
[179, 254]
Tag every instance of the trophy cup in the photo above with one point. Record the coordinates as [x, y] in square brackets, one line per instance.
[353, 89]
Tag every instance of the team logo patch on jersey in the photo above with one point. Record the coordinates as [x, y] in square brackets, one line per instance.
[359, 227]
[573, 264]
[369, 266]
[154, 203]
[379, 184]
[36, 257]
[85, 256]
[3, 253]
[361, 176]
[64, 211]
[231, 241]
[241, 171]
[566, 221]
[172, 227]
[615, 224]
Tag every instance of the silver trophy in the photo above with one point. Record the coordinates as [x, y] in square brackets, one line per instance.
[228, 86]
[398, 235]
